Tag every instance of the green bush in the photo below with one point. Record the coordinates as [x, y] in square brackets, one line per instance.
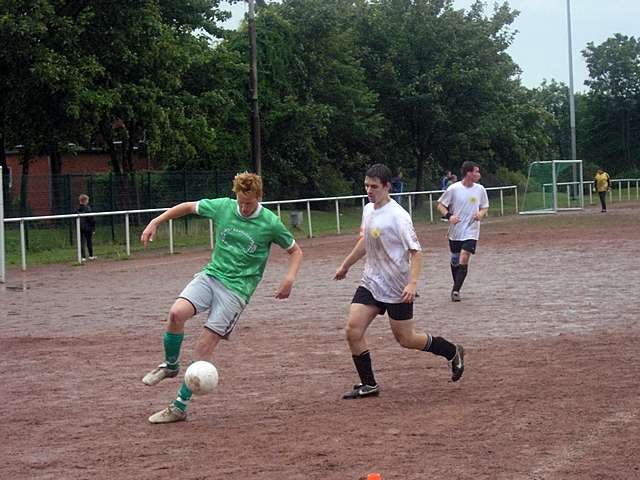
[509, 177]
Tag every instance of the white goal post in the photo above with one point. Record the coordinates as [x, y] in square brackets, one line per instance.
[553, 186]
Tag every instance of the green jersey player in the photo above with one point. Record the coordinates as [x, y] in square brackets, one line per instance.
[244, 234]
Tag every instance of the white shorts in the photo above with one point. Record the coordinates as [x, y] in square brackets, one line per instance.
[208, 293]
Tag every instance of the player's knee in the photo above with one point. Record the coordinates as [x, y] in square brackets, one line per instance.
[455, 259]
[353, 333]
[177, 317]
[405, 339]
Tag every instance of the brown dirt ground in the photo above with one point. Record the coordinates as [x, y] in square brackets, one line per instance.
[549, 319]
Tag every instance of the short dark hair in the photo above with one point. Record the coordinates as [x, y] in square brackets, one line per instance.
[468, 166]
[379, 171]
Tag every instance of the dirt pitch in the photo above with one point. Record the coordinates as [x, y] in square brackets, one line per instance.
[549, 319]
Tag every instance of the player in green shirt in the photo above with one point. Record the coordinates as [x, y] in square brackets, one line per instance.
[244, 234]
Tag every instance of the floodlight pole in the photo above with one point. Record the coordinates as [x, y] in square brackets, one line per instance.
[572, 105]
[256, 153]
[2, 251]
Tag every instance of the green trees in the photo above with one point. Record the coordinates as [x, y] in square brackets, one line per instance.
[319, 117]
[614, 102]
[416, 84]
[447, 87]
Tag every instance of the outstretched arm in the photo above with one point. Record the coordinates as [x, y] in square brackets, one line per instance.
[295, 259]
[356, 254]
[177, 211]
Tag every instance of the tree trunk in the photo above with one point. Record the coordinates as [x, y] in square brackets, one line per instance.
[55, 171]
[626, 138]
[420, 161]
[129, 159]
[107, 136]
[5, 172]
[24, 182]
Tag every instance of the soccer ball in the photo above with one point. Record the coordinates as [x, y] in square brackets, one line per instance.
[201, 377]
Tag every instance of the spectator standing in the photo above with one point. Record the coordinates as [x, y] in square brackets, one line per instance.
[445, 180]
[87, 228]
[603, 185]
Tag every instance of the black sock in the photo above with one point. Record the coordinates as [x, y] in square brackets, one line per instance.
[454, 270]
[363, 366]
[461, 274]
[440, 346]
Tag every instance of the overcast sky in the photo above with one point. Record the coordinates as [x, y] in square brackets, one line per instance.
[540, 47]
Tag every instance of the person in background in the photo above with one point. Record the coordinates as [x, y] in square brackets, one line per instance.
[603, 185]
[464, 204]
[445, 180]
[398, 186]
[87, 228]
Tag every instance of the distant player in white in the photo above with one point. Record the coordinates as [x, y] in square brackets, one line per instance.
[389, 283]
[464, 204]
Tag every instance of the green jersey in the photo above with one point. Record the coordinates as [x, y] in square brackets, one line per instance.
[242, 243]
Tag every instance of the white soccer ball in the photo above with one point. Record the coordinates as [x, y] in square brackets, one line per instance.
[201, 377]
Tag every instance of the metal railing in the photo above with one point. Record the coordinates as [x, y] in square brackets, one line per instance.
[410, 202]
[590, 185]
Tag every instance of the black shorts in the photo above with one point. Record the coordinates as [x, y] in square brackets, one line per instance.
[456, 246]
[397, 311]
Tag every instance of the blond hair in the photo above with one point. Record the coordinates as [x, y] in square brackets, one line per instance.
[248, 183]
[83, 199]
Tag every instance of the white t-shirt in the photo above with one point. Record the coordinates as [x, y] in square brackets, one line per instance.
[464, 202]
[388, 236]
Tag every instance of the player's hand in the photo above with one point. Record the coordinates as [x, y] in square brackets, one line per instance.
[149, 233]
[285, 289]
[341, 273]
[478, 217]
[453, 219]
[409, 293]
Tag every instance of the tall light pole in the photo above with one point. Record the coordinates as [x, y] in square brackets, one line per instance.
[256, 152]
[572, 105]
[2, 251]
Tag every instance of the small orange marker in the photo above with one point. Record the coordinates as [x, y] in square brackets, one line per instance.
[374, 476]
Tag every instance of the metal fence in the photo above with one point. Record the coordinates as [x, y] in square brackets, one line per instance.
[618, 185]
[414, 202]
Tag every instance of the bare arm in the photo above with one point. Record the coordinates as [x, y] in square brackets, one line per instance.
[453, 219]
[409, 292]
[481, 214]
[177, 211]
[295, 260]
[442, 209]
[356, 254]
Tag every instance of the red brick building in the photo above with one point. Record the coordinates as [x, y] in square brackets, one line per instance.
[74, 165]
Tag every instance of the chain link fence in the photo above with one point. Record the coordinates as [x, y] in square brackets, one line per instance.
[34, 195]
